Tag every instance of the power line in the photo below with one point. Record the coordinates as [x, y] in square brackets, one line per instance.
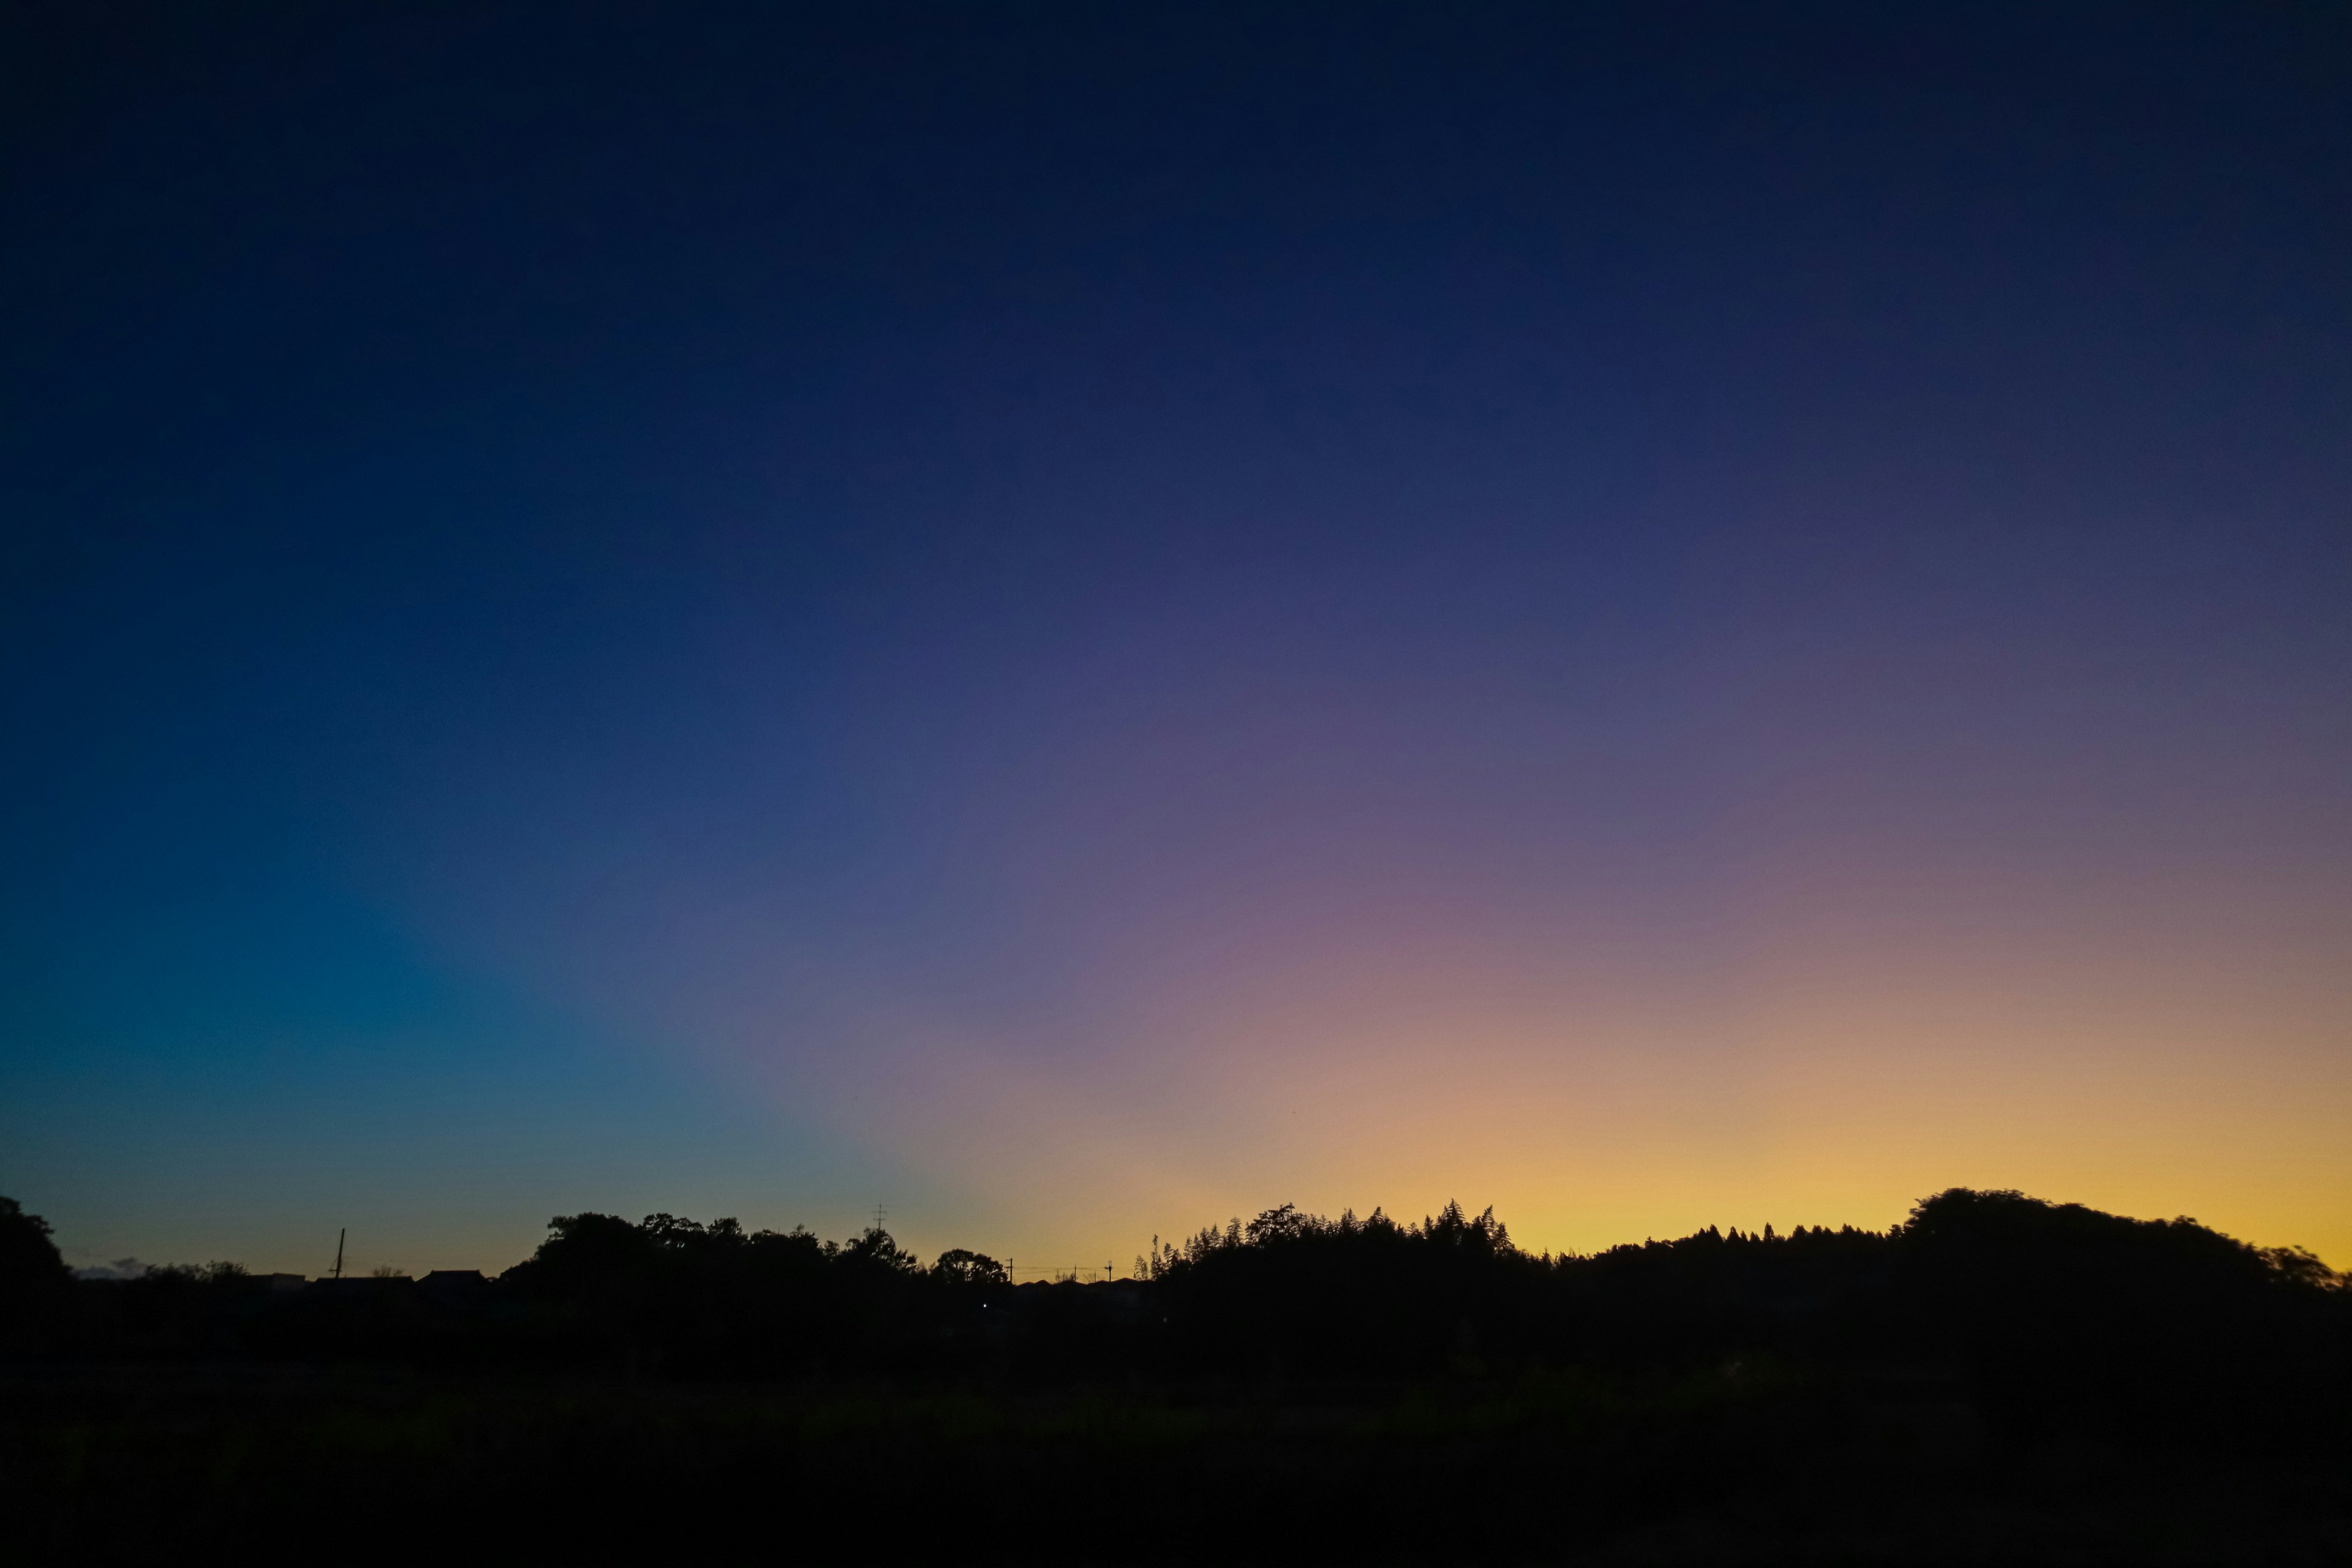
[1084, 1273]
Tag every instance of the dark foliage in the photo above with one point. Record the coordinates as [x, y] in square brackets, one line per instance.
[32, 1275]
[2160, 1331]
[673, 1296]
[2052, 1317]
[1277, 1384]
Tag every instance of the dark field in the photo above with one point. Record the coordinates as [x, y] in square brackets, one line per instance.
[1713, 1468]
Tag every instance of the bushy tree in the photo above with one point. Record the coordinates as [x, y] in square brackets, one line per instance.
[2066, 1316]
[962, 1266]
[33, 1274]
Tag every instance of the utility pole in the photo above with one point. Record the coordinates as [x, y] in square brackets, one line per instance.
[339, 1250]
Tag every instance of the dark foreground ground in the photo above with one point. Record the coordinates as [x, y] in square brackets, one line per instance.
[1739, 1464]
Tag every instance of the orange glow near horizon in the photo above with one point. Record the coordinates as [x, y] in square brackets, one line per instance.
[1812, 1078]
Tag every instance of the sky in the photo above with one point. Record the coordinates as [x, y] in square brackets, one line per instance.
[1064, 621]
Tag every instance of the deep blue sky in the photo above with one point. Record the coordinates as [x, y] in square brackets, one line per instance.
[1071, 619]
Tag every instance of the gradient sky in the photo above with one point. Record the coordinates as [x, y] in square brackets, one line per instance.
[1073, 620]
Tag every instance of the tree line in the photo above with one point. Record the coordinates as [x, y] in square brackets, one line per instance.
[2050, 1317]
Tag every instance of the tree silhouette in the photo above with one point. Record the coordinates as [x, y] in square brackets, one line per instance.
[33, 1273]
[2054, 1318]
[961, 1267]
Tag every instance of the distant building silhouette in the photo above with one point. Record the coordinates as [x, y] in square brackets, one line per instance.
[453, 1287]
